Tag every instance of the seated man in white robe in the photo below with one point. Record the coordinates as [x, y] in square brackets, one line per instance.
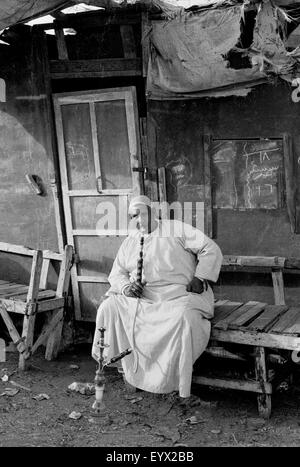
[165, 320]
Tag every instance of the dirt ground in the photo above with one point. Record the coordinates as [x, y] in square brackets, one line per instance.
[222, 418]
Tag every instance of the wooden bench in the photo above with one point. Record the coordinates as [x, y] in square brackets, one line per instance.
[258, 328]
[28, 300]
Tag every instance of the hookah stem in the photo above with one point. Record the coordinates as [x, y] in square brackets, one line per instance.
[99, 378]
[139, 271]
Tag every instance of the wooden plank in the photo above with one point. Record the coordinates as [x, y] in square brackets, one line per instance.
[44, 274]
[47, 330]
[99, 19]
[278, 287]
[50, 304]
[12, 329]
[104, 192]
[238, 313]
[96, 68]
[162, 192]
[13, 291]
[101, 278]
[128, 41]
[29, 318]
[95, 144]
[54, 338]
[62, 50]
[290, 179]
[242, 385]
[293, 328]
[286, 321]
[208, 189]
[64, 273]
[264, 339]
[252, 312]
[265, 261]
[22, 250]
[224, 311]
[267, 318]
[9, 287]
[42, 295]
[58, 213]
[132, 119]
[264, 399]
[23, 290]
[98, 232]
[146, 29]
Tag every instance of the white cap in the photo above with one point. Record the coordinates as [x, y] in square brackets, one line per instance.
[137, 201]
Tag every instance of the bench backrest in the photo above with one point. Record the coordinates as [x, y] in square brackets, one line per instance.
[264, 264]
[40, 266]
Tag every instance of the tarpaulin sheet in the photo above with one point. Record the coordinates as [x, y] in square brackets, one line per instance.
[13, 11]
[187, 55]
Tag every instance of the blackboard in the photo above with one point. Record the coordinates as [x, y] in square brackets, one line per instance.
[248, 174]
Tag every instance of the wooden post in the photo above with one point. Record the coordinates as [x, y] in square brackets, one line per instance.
[44, 273]
[290, 177]
[128, 41]
[207, 184]
[31, 302]
[54, 338]
[146, 28]
[278, 287]
[60, 42]
[264, 399]
[12, 330]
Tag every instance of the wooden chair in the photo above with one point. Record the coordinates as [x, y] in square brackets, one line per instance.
[28, 300]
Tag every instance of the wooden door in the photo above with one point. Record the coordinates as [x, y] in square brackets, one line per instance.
[98, 146]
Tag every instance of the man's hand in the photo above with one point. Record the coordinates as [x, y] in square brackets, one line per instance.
[134, 290]
[196, 285]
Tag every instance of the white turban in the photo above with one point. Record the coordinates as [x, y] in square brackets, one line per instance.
[137, 201]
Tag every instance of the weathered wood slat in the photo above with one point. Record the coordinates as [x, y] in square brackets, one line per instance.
[278, 287]
[29, 318]
[9, 285]
[23, 250]
[253, 386]
[252, 313]
[42, 295]
[286, 321]
[267, 318]
[294, 328]
[235, 314]
[267, 261]
[98, 68]
[290, 179]
[16, 338]
[224, 311]
[264, 339]
[15, 293]
[9, 289]
[128, 41]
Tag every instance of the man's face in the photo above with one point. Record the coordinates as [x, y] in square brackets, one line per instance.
[143, 217]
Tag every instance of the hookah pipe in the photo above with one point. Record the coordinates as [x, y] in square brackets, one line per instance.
[98, 404]
[139, 268]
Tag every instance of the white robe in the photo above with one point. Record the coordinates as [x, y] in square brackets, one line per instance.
[168, 328]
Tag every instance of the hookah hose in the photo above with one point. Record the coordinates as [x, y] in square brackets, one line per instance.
[139, 281]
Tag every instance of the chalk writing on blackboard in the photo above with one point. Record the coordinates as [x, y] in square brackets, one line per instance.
[247, 174]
